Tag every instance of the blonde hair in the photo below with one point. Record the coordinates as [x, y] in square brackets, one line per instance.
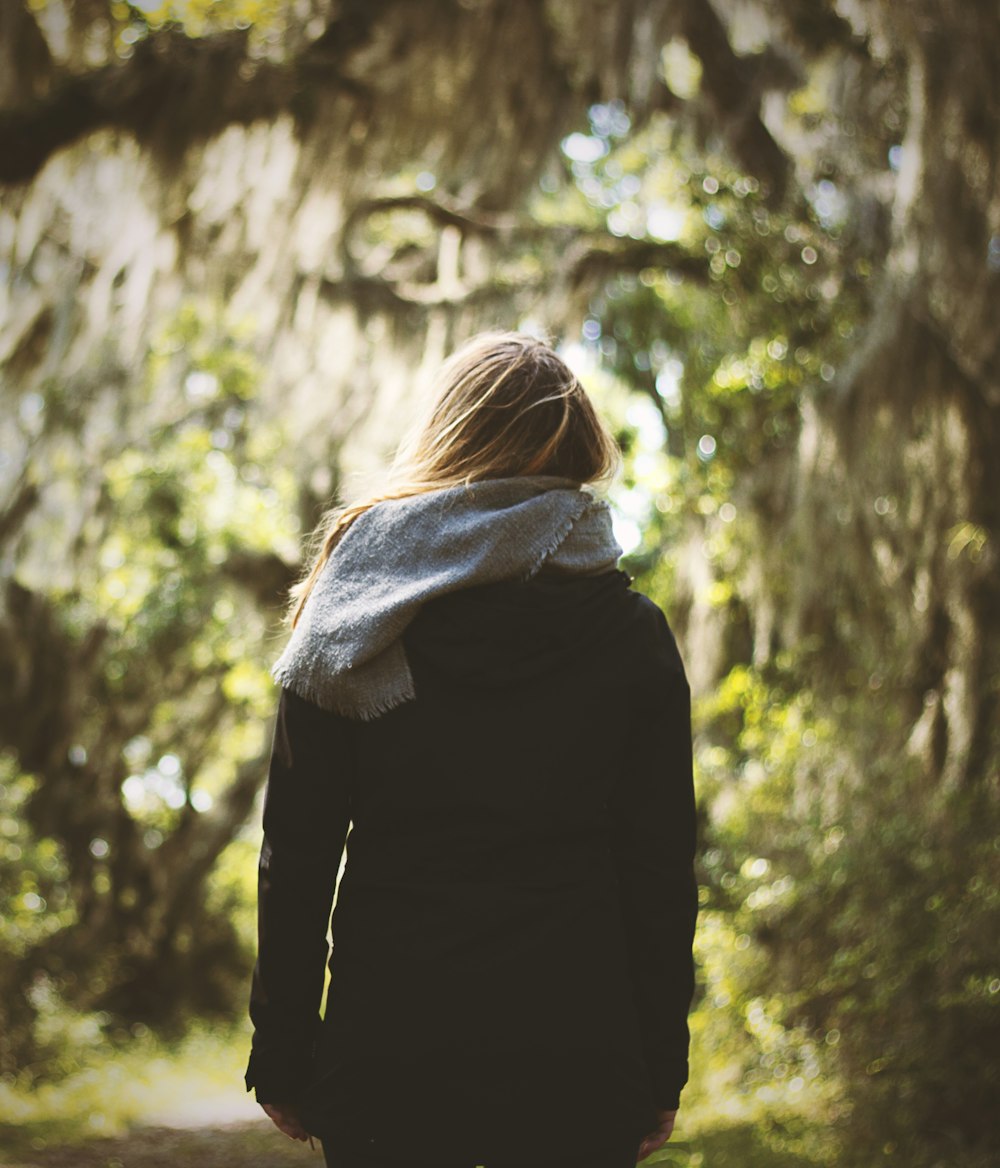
[506, 405]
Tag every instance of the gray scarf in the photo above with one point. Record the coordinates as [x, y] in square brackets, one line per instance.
[346, 653]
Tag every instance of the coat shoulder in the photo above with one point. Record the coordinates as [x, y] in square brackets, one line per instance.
[651, 630]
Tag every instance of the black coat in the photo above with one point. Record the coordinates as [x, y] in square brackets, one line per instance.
[511, 965]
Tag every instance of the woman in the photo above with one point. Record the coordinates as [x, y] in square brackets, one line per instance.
[472, 686]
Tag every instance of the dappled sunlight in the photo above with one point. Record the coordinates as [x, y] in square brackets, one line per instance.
[237, 239]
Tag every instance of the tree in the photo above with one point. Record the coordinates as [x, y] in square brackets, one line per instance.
[780, 228]
[831, 408]
[226, 254]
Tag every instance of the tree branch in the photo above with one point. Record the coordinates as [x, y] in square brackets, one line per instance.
[732, 87]
[597, 262]
[173, 92]
[588, 257]
[23, 500]
[467, 221]
[25, 60]
[265, 575]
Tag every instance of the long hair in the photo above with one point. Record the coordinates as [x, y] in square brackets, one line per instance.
[505, 405]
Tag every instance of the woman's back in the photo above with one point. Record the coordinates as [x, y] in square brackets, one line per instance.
[482, 997]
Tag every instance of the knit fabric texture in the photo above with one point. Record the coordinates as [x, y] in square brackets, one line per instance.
[346, 654]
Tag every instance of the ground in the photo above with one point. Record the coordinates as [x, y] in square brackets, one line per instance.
[184, 1106]
[239, 1145]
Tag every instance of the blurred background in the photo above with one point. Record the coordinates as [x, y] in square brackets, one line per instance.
[236, 238]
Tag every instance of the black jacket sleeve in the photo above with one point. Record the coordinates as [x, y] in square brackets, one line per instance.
[306, 816]
[654, 816]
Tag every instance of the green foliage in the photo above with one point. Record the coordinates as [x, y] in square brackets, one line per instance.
[110, 1084]
[35, 903]
[848, 972]
[266, 20]
[115, 1093]
[848, 980]
[743, 312]
[118, 912]
[866, 905]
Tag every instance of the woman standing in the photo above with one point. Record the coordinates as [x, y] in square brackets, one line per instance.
[473, 688]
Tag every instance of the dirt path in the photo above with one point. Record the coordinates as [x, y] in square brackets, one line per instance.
[240, 1145]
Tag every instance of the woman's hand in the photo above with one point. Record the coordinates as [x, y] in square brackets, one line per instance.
[286, 1119]
[656, 1139]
